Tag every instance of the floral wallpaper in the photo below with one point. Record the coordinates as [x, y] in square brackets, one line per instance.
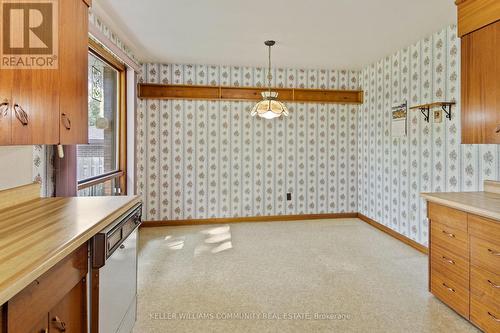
[392, 172]
[205, 159]
[43, 169]
[111, 35]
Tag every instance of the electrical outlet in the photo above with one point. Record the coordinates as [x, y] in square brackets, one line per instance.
[438, 116]
[288, 196]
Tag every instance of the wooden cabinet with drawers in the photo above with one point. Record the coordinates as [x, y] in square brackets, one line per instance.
[49, 105]
[464, 257]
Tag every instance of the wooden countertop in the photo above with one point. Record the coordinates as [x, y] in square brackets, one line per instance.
[37, 234]
[486, 204]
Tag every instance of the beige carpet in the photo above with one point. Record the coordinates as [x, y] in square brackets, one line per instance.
[307, 276]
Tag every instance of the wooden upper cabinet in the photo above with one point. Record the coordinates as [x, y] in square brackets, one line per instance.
[5, 107]
[479, 27]
[35, 105]
[49, 106]
[475, 14]
[73, 66]
[481, 86]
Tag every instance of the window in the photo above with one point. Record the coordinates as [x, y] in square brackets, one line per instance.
[101, 164]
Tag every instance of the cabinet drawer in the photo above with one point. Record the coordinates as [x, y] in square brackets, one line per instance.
[452, 239]
[484, 228]
[485, 315]
[450, 265]
[485, 254]
[485, 286]
[451, 293]
[448, 216]
[45, 292]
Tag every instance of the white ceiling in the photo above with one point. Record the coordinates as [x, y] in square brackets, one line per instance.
[309, 33]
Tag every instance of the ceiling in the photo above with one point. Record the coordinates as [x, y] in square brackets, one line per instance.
[310, 34]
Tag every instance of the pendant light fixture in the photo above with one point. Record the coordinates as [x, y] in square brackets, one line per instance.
[269, 107]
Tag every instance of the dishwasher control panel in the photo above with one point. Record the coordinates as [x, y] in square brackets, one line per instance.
[109, 239]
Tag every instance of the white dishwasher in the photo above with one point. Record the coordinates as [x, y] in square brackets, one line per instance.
[114, 275]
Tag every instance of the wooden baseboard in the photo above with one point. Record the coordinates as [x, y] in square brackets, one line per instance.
[390, 232]
[147, 224]
[274, 218]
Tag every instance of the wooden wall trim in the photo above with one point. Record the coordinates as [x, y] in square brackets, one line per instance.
[171, 91]
[66, 173]
[475, 14]
[277, 218]
[102, 53]
[417, 246]
[274, 218]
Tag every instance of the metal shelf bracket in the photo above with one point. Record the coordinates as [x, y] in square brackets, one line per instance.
[447, 110]
[426, 112]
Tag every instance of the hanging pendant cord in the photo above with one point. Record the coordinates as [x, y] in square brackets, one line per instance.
[269, 76]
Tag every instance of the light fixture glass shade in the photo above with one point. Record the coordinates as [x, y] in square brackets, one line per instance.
[269, 107]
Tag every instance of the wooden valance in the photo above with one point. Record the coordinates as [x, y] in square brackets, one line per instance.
[171, 91]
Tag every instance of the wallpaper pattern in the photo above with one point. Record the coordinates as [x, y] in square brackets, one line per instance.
[204, 159]
[96, 21]
[43, 169]
[393, 171]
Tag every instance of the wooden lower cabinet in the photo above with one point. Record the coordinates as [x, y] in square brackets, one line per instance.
[54, 302]
[454, 294]
[464, 267]
[484, 315]
[69, 315]
[42, 326]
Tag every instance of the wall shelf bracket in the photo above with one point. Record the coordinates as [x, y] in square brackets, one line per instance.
[426, 109]
[447, 110]
[426, 112]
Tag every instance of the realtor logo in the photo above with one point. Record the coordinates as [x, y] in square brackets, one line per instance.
[29, 34]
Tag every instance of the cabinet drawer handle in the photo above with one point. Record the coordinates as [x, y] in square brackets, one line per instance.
[449, 234]
[494, 253]
[450, 289]
[60, 325]
[21, 115]
[493, 284]
[493, 317]
[497, 130]
[4, 107]
[66, 122]
[448, 260]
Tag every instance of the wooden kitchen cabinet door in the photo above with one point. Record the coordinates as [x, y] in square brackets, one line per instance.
[69, 315]
[73, 66]
[481, 86]
[50, 106]
[5, 106]
[35, 105]
[42, 326]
